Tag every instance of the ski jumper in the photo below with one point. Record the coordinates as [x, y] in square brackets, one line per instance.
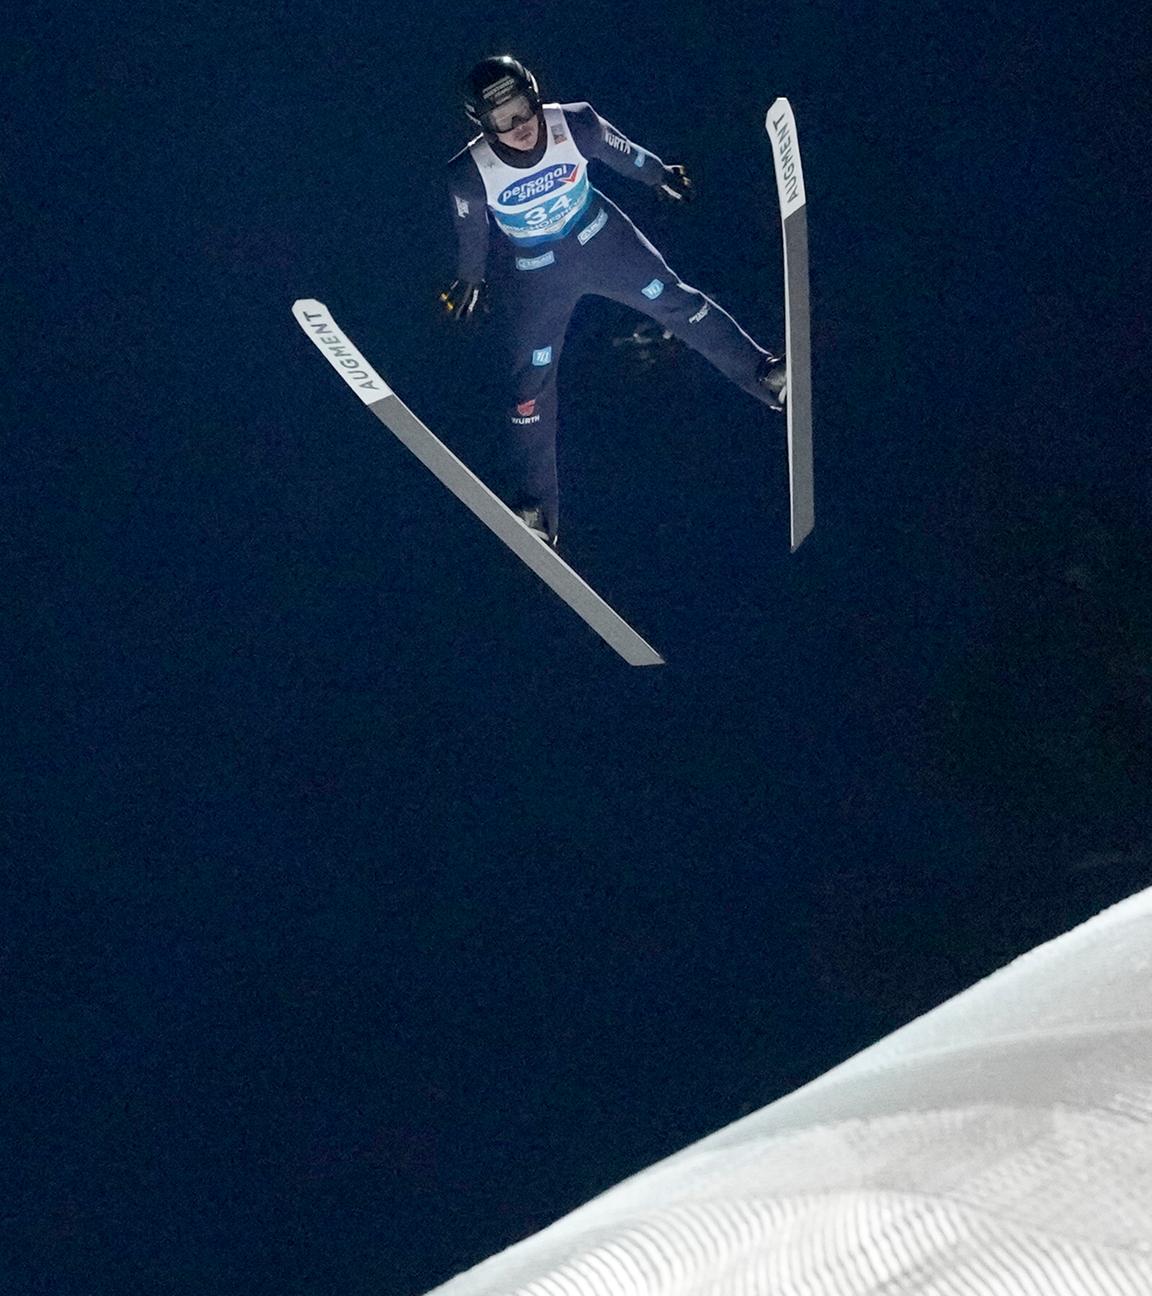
[569, 241]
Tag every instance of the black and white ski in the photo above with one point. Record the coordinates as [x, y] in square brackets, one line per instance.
[316, 320]
[781, 127]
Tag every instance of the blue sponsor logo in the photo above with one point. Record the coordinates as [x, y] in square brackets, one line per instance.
[540, 185]
[543, 356]
[654, 289]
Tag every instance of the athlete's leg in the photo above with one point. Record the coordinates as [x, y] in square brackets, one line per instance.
[542, 301]
[629, 269]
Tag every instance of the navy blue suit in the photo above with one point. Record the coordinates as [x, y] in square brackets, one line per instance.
[571, 241]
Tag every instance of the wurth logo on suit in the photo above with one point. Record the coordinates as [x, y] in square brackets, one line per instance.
[618, 142]
[525, 413]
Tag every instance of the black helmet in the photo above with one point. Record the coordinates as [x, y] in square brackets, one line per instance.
[494, 83]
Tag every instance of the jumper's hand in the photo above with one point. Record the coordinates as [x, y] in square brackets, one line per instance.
[464, 302]
[676, 186]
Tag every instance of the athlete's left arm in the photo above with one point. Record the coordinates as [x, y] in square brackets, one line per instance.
[599, 139]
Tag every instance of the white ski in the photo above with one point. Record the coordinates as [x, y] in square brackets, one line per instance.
[316, 320]
[781, 127]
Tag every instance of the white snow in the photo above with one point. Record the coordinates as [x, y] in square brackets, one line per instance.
[1000, 1145]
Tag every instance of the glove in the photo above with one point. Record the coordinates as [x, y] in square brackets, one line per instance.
[676, 185]
[465, 302]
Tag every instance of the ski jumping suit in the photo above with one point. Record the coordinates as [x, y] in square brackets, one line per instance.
[569, 241]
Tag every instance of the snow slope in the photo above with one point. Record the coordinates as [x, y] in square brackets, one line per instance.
[1000, 1145]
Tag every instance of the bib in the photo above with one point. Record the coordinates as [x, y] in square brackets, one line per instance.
[543, 204]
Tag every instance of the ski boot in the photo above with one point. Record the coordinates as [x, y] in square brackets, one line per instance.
[772, 378]
[532, 515]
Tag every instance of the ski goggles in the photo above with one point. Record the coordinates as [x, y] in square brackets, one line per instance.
[507, 116]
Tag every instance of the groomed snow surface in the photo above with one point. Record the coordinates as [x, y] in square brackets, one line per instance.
[1000, 1145]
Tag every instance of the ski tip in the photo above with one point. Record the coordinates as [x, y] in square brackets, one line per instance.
[780, 105]
[316, 320]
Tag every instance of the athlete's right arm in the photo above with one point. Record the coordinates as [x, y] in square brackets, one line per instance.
[470, 218]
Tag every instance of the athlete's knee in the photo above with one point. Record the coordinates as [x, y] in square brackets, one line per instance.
[534, 371]
[678, 301]
[540, 358]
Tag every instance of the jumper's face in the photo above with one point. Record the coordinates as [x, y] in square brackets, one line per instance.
[515, 124]
[522, 137]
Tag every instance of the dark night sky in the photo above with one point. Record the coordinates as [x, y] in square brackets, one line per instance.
[368, 912]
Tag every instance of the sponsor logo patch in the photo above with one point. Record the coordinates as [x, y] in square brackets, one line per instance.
[500, 90]
[535, 187]
[535, 263]
[695, 319]
[654, 289]
[618, 142]
[462, 208]
[526, 407]
[593, 227]
[542, 357]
